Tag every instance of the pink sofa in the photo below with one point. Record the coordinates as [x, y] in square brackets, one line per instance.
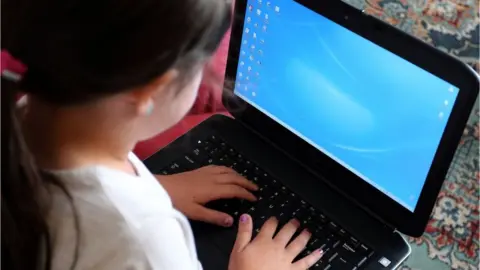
[209, 101]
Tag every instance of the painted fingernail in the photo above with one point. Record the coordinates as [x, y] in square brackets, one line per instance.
[243, 218]
[319, 251]
[228, 221]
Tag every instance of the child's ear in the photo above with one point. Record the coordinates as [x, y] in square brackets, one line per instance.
[143, 97]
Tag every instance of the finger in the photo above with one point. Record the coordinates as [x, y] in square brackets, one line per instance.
[202, 213]
[308, 261]
[298, 244]
[232, 191]
[244, 234]
[236, 179]
[220, 169]
[286, 233]
[268, 229]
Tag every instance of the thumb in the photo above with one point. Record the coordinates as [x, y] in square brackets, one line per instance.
[244, 235]
[202, 213]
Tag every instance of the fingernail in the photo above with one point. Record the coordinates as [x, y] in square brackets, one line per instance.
[308, 232]
[228, 221]
[296, 222]
[319, 251]
[244, 218]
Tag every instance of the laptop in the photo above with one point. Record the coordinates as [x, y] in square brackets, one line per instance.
[344, 122]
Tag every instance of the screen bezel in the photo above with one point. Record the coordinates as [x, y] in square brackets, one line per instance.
[408, 47]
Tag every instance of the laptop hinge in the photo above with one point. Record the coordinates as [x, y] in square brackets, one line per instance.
[388, 226]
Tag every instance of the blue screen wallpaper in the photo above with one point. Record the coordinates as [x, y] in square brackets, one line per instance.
[375, 113]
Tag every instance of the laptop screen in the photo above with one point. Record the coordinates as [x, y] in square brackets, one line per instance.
[371, 111]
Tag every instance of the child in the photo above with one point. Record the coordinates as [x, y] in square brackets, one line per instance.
[99, 77]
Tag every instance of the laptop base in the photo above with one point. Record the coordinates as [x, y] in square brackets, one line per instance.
[214, 244]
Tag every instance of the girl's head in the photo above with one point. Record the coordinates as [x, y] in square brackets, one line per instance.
[137, 62]
[80, 52]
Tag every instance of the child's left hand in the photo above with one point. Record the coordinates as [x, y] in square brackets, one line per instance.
[190, 191]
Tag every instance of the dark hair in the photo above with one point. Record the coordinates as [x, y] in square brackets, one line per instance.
[76, 52]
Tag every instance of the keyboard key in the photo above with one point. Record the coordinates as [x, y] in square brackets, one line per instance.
[224, 161]
[186, 163]
[349, 254]
[174, 168]
[209, 161]
[198, 153]
[248, 164]
[342, 233]
[340, 263]
[319, 231]
[164, 172]
[215, 153]
[231, 152]
[333, 227]
[214, 139]
[337, 243]
[362, 262]
[319, 265]
[353, 242]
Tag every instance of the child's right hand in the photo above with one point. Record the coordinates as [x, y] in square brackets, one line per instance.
[267, 252]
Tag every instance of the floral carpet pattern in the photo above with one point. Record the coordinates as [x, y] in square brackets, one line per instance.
[451, 239]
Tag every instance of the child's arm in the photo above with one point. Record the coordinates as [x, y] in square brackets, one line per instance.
[168, 242]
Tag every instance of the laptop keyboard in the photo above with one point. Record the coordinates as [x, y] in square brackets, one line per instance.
[341, 249]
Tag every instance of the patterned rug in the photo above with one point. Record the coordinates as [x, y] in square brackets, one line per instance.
[451, 240]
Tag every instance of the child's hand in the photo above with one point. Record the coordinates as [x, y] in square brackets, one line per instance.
[190, 191]
[267, 252]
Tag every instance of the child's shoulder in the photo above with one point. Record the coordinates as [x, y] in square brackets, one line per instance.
[108, 205]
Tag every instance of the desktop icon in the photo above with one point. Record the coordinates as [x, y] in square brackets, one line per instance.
[245, 41]
[254, 94]
[243, 52]
[266, 16]
[254, 35]
[252, 47]
[255, 24]
[264, 28]
[240, 74]
[247, 78]
[262, 41]
[440, 115]
[249, 68]
[446, 102]
[249, 19]
[242, 63]
[250, 7]
[247, 30]
[277, 9]
[269, 4]
[259, 12]
[251, 58]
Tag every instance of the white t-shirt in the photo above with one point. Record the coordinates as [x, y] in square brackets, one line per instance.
[126, 222]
